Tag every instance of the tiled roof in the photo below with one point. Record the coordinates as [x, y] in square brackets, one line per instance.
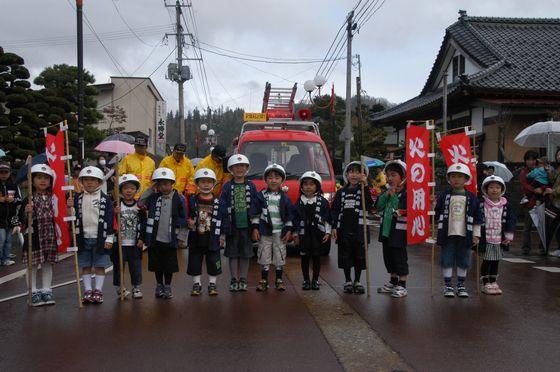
[516, 54]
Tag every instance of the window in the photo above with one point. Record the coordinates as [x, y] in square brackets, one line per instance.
[296, 157]
[458, 66]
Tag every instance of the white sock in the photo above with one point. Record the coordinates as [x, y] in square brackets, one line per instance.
[461, 272]
[33, 278]
[99, 279]
[87, 281]
[196, 279]
[447, 272]
[212, 279]
[47, 275]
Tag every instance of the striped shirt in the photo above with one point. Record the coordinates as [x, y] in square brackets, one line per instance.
[274, 211]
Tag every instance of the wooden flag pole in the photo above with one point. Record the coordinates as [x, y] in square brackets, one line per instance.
[477, 246]
[29, 163]
[434, 230]
[119, 240]
[364, 218]
[73, 214]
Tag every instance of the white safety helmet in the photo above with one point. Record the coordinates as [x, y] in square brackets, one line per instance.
[397, 162]
[129, 178]
[205, 173]
[42, 168]
[356, 162]
[237, 159]
[489, 179]
[459, 168]
[163, 174]
[311, 175]
[275, 167]
[91, 171]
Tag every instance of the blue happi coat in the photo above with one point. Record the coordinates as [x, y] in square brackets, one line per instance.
[473, 216]
[226, 213]
[338, 207]
[105, 226]
[321, 219]
[260, 218]
[151, 223]
[215, 229]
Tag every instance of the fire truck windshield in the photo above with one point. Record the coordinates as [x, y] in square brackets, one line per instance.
[296, 157]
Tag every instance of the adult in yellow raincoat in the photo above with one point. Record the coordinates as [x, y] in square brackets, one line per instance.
[183, 169]
[139, 164]
[215, 161]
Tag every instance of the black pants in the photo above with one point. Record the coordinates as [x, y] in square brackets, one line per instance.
[131, 255]
[351, 253]
[395, 259]
[305, 266]
[197, 255]
[489, 271]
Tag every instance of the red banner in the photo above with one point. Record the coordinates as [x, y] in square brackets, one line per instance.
[55, 151]
[418, 189]
[456, 148]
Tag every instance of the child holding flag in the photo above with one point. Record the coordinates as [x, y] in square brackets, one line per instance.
[392, 233]
[44, 247]
[459, 219]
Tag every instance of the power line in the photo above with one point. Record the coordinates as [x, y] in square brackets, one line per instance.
[127, 25]
[371, 15]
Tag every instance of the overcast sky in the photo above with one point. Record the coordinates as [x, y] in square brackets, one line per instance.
[397, 45]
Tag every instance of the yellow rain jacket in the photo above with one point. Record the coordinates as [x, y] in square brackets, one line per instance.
[222, 177]
[142, 166]
[379, 182]
[184, 174]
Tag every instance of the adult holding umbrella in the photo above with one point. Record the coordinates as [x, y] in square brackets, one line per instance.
[139, 164]
[183, 169]
[215, 161]
[108, 174]
[553, 206]
[532, 194]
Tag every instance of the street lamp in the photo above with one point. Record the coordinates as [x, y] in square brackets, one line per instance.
[203, 128]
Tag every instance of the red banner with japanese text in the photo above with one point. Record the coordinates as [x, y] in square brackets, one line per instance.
[55, 152]
[456, 148]
[418, 188]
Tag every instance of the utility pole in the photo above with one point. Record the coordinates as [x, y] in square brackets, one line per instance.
[359, 105]
[80, 34]
[177, 72]
[347, 133]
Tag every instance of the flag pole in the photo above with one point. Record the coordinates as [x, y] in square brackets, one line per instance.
[364, 221]
[119, 240]
[29, 163]
[478, 245]
[431, 124]
[73, 214]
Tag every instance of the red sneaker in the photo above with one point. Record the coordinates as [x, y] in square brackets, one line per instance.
[97, 297]
[88, 297]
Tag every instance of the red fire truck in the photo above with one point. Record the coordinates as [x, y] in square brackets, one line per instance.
[273, 136]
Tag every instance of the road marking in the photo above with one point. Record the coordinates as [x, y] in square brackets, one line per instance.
[107, 270]
[20, 273]
[517, 260]
[550, 269]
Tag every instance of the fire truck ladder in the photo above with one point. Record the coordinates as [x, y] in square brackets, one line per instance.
[279, 99]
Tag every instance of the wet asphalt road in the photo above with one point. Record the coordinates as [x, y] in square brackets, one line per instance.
[519, 330]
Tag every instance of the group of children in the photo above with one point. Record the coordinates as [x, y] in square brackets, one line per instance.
[163, 221]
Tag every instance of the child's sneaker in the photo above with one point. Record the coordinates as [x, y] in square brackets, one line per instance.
[306, 286]
[348, 287]
[280, 286]
[159, 291]
[488, 289]
[242, 285]
[125, 291]
[212, 289]
[496, 288]
[315, 285]
[262, 286]
[448, 291]
[8, 262]
[387, 288]
[137, 293]
[524, 201]
[359, 288]
[399, 292]
[37, 299]
[462, 291]
[167, 292]
[196, 289]
[88, 297]
[234, 285]
[47, 297]
[97, 297]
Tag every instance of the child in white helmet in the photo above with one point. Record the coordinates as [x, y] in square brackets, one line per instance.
[272, 226]
[44, 247]
[164, 230]
[132, 245]
[347, 214]
[205, 233]
[94, 232]
[498, 229]
[312, 221]
[237, 200]
[459, 219]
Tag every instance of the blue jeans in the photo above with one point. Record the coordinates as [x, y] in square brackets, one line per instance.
[5, 244]
[456, 253]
